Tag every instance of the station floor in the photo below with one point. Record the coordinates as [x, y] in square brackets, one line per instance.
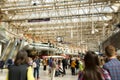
[44, 75]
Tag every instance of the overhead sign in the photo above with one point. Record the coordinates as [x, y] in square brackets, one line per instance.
[39, 20]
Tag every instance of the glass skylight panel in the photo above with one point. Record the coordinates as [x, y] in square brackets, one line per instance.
[108, 9]
[82, 0]
[74, 13]
[49, 0]
[11, 0]
[107, 17]
[115, 7]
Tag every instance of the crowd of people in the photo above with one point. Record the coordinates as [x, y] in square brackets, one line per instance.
[90, 67]
[95, 68]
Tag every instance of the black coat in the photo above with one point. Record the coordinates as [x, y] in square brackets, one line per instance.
[18, 72]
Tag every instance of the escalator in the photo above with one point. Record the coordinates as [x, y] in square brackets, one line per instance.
[15, 51]
[18, 47]
[22, 44]
[8, 50]
[13, 48]
[5, 50]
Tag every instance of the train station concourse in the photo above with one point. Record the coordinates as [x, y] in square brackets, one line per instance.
[63, 30]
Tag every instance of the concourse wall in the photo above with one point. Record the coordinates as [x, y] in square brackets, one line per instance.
[113, 40]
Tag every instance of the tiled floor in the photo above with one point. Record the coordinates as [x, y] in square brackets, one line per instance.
[44, 75]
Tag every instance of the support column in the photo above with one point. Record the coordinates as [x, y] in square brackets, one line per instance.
[0, 49]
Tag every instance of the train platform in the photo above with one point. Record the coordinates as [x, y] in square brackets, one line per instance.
[44, 75]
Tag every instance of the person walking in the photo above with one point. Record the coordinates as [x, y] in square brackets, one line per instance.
[113, 64]
[36, 63]
[64, 65]
[73, 64]
[44, 62]
[53, 69]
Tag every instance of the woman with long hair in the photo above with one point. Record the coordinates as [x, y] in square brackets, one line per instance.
[21, 69]
[92, 70]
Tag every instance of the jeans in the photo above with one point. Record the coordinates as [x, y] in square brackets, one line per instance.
[36, 72]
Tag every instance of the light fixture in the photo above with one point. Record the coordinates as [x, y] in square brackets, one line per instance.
[105, 24]
[35, 2]
[94, 31]
[59, 38]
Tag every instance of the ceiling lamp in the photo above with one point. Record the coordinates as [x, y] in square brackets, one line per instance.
[94, 31]
[106, 24]
[35, 2]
